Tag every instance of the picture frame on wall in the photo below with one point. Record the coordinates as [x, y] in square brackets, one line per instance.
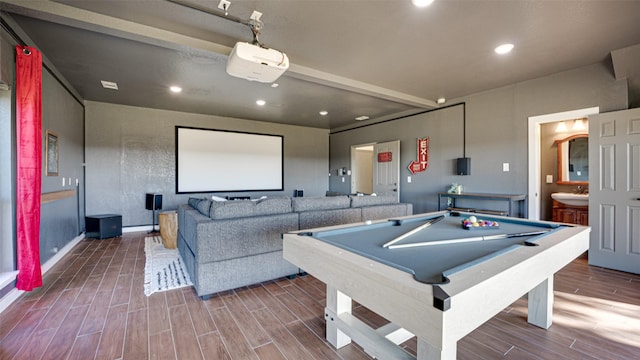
[52, 153]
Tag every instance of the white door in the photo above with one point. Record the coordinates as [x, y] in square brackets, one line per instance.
[614, 190]
[386, 168]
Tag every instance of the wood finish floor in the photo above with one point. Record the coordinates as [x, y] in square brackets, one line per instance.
[92, 306]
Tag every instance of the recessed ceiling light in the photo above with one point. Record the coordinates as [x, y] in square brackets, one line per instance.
[504, 48]
[175, 89]
[109, 85]
[421, 3]
[324, 112]
[275, 85]
[260, 102]
[363, 117]
[441, 100]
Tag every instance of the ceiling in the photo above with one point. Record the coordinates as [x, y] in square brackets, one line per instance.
[379, 58]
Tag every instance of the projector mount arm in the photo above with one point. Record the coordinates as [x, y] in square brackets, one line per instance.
[254, 23]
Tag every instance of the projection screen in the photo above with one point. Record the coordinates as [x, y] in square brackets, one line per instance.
[210, 160]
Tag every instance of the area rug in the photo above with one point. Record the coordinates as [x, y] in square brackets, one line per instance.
[164, 268]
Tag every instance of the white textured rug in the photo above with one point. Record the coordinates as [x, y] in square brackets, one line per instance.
[164, 268]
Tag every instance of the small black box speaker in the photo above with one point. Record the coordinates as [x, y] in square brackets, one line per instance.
[463, 166]
[103, 226]
[154, 202]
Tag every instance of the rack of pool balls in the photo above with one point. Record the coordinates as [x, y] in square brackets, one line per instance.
[473, 223]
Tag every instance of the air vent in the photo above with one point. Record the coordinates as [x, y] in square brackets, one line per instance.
[109, 85]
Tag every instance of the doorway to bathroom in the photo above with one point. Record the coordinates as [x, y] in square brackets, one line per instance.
[535, 177]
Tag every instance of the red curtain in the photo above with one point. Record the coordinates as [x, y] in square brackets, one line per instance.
[29, 165]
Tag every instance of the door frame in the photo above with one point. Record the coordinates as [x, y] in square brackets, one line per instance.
[353, 161]
[534, 122]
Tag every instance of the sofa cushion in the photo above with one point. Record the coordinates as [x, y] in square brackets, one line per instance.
[231, 209]
[203, 206]
[367, 200]
[320, 203]
[274, 205]
[193, 202]
[246, 208]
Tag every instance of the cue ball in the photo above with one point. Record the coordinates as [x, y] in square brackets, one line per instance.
[472, 219]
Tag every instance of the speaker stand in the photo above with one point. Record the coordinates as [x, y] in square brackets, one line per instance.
[153, 221]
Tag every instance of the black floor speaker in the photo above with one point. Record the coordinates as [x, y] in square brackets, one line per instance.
[103, 226]
[153, 202]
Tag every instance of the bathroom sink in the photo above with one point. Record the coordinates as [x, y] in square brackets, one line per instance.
[571, 198]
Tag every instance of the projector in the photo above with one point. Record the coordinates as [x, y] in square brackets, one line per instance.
[255, 63]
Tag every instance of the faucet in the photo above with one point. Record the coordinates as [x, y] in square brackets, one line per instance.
[581, 190]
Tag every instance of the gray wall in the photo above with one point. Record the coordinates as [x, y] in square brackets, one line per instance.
[131, 151]
[496, 133]
[62, 220]
[444, 127]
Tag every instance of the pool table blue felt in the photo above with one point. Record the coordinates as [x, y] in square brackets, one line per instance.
[432, 264]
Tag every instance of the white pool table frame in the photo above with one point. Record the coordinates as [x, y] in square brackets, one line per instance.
[476, 294]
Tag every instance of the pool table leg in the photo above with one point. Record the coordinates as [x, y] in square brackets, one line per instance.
[427, 351]
[337, 303]
[540, 304]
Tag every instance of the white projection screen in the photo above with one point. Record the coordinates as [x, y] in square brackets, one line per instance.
[209, 160]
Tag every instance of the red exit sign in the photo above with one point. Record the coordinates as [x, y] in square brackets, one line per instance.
[385, 156]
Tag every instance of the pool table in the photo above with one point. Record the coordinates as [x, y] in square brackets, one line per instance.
[432, 277]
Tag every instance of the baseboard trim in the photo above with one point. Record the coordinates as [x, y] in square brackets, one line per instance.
[62, 252]
[129, 229]
[7, 278]
[14, 294]
[9, 298]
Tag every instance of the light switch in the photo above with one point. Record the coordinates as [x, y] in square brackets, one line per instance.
[409, 179]
[63, 180]
[505, 167]
[549, 179]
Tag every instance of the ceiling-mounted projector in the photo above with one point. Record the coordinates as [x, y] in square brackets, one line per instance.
[256, 63]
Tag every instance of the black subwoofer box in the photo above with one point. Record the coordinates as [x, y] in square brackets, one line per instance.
[103, 226]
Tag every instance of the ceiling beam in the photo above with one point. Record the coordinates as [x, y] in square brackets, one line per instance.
[340, 82]
[87, 20]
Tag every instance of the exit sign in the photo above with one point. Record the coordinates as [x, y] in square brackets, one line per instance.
[385, 156]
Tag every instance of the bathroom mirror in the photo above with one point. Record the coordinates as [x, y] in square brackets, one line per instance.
[573, 160]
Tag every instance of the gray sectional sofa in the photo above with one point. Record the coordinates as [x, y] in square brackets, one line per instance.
[230, 244]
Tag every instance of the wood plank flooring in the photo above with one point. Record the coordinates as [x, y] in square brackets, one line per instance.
[92, 306]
